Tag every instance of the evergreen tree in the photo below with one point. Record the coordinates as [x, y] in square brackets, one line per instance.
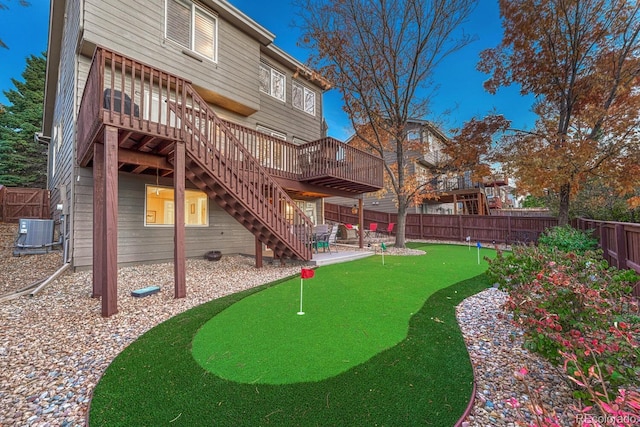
[23, 161]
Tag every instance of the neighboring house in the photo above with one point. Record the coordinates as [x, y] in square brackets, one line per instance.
[452, 191]
[163, 113]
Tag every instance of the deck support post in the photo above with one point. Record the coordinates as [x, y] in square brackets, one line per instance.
[179, 263]
[258, 253]
[361, 222]
[109, 247]
[98, 219]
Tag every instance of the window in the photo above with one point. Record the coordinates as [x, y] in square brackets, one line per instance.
[271, 132]
[193, 27]
[160, 209]
[414, 136]
[272, 82]
[304, 99]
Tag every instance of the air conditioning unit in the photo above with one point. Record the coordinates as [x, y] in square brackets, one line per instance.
[35, 236]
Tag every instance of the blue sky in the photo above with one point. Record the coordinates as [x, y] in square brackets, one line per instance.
[460, 89]
[24, 30]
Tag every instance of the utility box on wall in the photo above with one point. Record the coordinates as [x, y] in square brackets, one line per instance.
[35, 236]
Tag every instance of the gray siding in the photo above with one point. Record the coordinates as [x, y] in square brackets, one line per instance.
[137, 243]
[115, 24]
[136, 29]
[62, 147]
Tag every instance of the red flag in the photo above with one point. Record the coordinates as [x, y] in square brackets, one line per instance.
[307, 273]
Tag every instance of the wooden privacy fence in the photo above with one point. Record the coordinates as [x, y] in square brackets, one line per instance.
[16, 203]
[488, 229]
[620, 243]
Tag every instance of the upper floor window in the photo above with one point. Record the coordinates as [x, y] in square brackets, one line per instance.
[193, 27]
[272, 82]
[304, 99]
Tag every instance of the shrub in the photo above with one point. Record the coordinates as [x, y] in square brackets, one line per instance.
[567, 239]
[572, 306]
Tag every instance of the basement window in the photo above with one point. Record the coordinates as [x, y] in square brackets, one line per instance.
[160, 207]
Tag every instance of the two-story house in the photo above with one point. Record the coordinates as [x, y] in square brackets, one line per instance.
[177, 127]
[446, 189]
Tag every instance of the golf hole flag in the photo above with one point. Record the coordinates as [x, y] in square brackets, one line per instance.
[305, 273]
[479, 246]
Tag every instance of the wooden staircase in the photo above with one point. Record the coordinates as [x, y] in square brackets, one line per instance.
[475, 204]
[221, 166]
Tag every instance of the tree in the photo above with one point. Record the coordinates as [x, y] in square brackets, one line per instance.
[5, 6]
[381, 56]
[23, 161]
[581, 59]
[598, 200]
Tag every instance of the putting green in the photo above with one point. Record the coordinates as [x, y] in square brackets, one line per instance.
[350, 316]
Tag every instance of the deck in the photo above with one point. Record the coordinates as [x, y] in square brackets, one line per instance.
[138, 119]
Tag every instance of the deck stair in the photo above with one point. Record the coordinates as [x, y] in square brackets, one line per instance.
[475, 203]
[221, 166]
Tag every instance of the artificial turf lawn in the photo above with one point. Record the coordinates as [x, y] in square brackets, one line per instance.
[352, 313]
[424, 379]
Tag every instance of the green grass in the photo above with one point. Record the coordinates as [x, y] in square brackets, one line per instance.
[368, 351]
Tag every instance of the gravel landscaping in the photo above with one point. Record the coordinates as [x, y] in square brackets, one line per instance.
[55, 346]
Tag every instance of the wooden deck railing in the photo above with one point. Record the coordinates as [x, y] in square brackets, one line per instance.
[123, 92]
[278, 156]
[324, 157]
[328, 156]
[129, 94]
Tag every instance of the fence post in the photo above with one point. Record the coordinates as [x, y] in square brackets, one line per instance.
[621, 246]
[604, 244]
[421, 227]
[460, 231]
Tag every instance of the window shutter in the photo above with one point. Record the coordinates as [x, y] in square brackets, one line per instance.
[204, 34]
[179, 22]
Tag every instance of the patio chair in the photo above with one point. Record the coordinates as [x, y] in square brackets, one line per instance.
[333, 238]
[320, 241]
[373, 228]
[321, 229]
[351, 229]
[389, 229]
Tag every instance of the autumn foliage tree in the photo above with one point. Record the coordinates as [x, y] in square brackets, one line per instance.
[581, 59]
[381, 56]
